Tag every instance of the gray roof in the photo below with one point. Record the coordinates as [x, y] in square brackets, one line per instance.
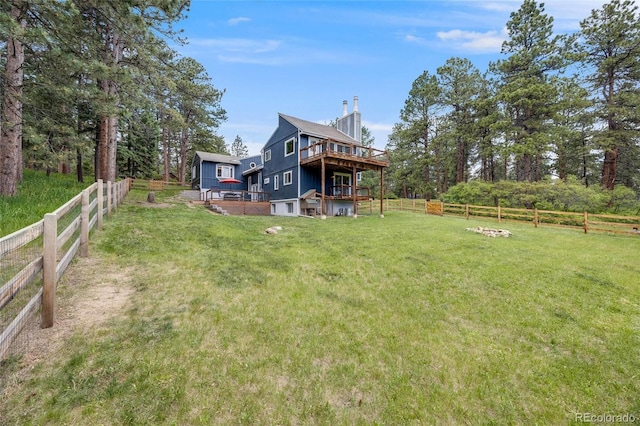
[218, 158]
[320, 130]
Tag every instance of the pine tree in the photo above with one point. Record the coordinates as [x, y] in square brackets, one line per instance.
[238, 148]
[526, 93]
[460, 83]
[610, 44]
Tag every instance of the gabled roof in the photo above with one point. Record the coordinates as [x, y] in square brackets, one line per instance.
[218, 158]
[319, 130]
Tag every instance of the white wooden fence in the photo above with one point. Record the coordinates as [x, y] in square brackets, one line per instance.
[58, 249]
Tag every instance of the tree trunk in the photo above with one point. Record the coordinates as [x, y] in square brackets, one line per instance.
[102, 156]
[460, 163]
[112, 149]
[165, 151]
[609, 167]
[79, 171]
[11, 128]
[562, 165]
[182, 171]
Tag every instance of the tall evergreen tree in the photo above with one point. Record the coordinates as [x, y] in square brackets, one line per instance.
[572, 145]
[415, 134]
[460, 83]
[13, 16]
[610, 44]
[528, 96]
[238, 148]
[487, 114]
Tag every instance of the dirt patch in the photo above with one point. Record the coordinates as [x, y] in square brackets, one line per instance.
[88, 294]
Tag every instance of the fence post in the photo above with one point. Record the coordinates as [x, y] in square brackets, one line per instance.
[100, 202]
[499, 215]
[586, 222]
[116, 195]
[535, 217]
[109, 199]
[84, 225]
[49, 269]
[466, 211]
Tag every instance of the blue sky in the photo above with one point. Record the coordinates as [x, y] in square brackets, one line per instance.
[303, 58]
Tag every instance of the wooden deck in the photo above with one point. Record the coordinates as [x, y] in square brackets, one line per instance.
[338, 154]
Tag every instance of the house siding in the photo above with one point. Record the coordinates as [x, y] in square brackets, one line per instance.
[279, 163]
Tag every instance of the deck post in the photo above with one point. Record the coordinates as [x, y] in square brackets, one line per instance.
[355, 193]
[381, 191]
[323, 214]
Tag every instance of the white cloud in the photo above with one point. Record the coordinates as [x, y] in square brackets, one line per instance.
[380, 132]
[413, 39]
[475, 41]
[238, 20]
[238, 44]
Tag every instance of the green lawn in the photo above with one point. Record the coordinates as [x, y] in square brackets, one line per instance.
[37, 195]
[407, 318]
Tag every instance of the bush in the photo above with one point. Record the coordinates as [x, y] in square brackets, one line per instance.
[557, 195]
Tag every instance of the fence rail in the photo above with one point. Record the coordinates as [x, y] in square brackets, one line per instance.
[62, 235]
[588, 222]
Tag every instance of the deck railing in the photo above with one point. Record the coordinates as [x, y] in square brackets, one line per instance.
[234, 195]
[339, 149]
[346, 192]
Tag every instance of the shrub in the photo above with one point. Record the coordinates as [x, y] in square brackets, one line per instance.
[545, 195]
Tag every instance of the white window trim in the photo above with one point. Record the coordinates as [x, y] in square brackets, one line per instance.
[267, 155]
[266, 181]
[286, 181]
[276, 182]
[293, 150]
[220, 168]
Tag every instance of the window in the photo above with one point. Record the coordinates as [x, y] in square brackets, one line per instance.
[341, 184]
[289, 146]
[273, 209]
[267, 156]
[276, 182]
[224, 171]
[266, 181]
[358, 176]
[252, 165]
[193, 172]
[287, 178]
[290, 208]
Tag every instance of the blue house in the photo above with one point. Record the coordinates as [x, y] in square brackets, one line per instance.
[305, 168]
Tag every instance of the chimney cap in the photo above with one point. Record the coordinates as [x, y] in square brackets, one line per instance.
[355, 104]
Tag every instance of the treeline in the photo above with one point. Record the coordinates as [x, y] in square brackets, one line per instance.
[556, 107]
[96, 84]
